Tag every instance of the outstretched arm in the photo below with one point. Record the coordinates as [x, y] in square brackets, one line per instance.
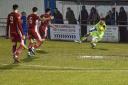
[46, 19]
[52, 25]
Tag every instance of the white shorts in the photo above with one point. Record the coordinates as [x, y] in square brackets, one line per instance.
[95, 39]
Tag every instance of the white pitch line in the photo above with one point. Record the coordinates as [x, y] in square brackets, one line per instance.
[92, 57]
[63, 71]
[50, 67]
[70, 69]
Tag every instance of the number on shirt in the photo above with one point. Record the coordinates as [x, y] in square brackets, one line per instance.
[30, 20]
[11, 19]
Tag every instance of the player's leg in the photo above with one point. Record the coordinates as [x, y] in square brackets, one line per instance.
[85, 37]
[91, 32]
[93, 45]
[14, 44]
[31, 44]
[31, 51]
[40, 37]
[82, 39]
[14, 47]
[19, 50]
[14, 38]
[38, 43]
[15, 57]
[25, 40]
[94, 41]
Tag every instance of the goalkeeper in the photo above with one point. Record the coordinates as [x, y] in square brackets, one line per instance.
[96, 33]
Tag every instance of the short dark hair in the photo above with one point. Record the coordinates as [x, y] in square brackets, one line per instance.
[23, 13]
[34, 9]
[69, 8]
[15, 7]
[47, 10]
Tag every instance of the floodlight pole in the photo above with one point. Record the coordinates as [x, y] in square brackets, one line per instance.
[115, 13]
[80, 12]
[115, 3]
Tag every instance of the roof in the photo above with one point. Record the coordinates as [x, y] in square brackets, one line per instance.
[99, 2]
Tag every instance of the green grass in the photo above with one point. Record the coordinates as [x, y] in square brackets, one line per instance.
[59, 63]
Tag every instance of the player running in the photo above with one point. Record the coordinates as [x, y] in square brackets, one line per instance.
[96, 33]
[45, 22]
[15, 31]
[33, 21]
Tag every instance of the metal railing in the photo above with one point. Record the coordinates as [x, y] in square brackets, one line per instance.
[3, 26]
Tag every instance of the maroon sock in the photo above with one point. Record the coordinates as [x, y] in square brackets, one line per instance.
[19, 50]
[14, 48]
[30, 45]
[38, 44]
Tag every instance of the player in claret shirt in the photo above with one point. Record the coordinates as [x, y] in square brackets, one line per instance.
[33, 21]
[15, 31]
[45, 22]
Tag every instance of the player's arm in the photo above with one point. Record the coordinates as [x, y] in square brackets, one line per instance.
[20, 30]
[52, 25]
[46, 19]
[19, 27]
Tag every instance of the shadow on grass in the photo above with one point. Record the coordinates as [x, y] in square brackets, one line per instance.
[8, 66]
[42, 52]
[103, 49]
[29, 59]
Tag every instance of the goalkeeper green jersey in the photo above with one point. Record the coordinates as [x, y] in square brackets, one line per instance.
[100, 30]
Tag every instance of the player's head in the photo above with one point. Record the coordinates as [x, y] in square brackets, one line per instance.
[34, 9]
[102, 21]
[48, 11]
[23, 13]
[15, 7]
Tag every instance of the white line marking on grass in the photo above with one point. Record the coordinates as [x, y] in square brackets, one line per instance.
[92, 57]
[66, 69]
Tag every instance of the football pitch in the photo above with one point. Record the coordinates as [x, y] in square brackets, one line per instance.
[66, 63]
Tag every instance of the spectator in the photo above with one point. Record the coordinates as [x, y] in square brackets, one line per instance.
[24, 25]
[83, 17]
[122, 20]
[108, 18]
[70, 16]
[114, 19]
[94, 16]
[58, 17]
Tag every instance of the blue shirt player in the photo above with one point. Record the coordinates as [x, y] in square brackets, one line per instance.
[24, 25]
